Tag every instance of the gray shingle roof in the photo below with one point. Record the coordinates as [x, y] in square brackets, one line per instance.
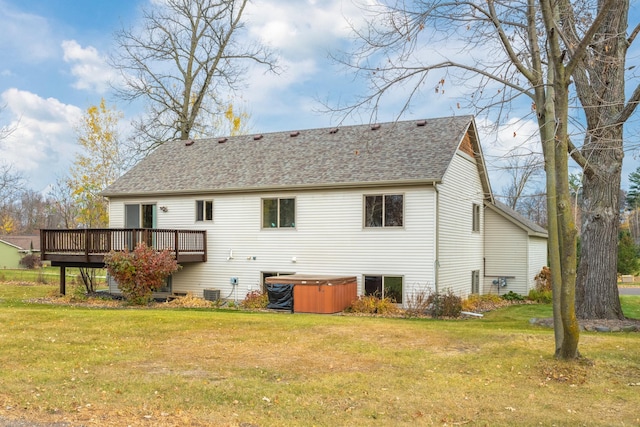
[23, 242]
[396, 152]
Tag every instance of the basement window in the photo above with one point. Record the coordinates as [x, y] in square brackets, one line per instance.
[384, 287]
[475, 282]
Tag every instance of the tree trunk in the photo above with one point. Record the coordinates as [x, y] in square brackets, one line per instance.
[596, 290]
[601, 88]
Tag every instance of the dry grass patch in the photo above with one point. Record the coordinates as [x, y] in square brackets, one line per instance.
[204, 367]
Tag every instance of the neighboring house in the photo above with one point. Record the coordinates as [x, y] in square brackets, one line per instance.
[13, 248]
[402, 206]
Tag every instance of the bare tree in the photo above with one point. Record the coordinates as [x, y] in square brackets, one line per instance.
[521, 171]
[534, 207]
[6, 130]
[62, 205]
[512, 50]
[11, 184]
[31, 212]
[186, 53]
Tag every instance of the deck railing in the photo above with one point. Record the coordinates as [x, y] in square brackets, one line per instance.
[93, 243]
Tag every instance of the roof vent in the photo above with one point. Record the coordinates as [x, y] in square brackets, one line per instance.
[294, 134]
[375, 126]
[189, 142]
[222, 140]
[257, 137]
[334, 130]
[421, 122]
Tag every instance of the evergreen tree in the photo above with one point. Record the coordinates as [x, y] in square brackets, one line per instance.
[633, 195]
[627, 254]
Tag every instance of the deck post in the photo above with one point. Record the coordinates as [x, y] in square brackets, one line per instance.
[86, 244]
[204, 246]
[175, 243]
[63, 281]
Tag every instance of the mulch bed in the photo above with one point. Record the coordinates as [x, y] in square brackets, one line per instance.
[597, 325]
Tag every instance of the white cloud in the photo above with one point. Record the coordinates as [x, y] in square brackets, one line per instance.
[43, 142]
[89, 67]
[25, 37]
[302, 33]
[301, 28]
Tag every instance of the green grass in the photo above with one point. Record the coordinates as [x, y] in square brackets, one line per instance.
[201, 367]
[44, 275]
[630, 306]
[50, 274]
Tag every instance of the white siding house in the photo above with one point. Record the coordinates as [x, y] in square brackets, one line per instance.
[515, 251]
[398, 205]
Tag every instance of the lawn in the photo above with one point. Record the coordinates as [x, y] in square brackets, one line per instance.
[201, 367]
[44, 275]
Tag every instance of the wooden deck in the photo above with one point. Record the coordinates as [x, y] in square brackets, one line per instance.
[87, 247]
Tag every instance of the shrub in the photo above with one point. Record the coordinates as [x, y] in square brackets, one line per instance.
[444, 305]
[479, 303]
[371, 304]
[512, 296]
[543, 280]
[190, 301]
[141, 272]
[255, 300]
[543, 297]
[31, 261]
[42, 279]
[417, 302]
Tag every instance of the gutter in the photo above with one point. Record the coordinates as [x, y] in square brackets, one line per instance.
[436, 265]
[270, 189]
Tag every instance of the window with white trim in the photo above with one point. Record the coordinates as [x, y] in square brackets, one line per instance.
[383, 210]
[475, 226]
[384, 287]
[475, 282]
[278, 213]
[204, 210]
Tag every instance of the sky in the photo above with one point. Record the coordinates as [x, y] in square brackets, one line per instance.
[53, 67]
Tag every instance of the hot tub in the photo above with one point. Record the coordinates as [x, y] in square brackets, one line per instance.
[319, 293]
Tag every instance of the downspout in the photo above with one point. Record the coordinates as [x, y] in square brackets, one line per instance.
[436, 265]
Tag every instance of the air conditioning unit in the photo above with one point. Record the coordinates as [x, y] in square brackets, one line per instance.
[211, 294]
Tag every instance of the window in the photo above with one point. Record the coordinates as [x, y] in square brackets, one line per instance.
[204, 210]
[167, 285]
[271, 274]
[384, 287]
[384, 210]
[278, 213]
[475, 282]
[475, 227]
[139, 216]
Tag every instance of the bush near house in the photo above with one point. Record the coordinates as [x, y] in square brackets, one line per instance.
[542, 292]
[141, 272]
[371, 304]
[31, 261]
[444, 305]
[255, 300]
[481, 303]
